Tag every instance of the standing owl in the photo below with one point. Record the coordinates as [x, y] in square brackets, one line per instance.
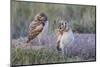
[64, 35]
[36, 26]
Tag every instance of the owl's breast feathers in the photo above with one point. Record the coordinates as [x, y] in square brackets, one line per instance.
[35, 28]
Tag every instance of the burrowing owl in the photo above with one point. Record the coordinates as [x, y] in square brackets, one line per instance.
[36, 26]
[64, 35]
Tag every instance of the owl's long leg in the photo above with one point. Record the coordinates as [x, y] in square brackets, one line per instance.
[65, 51]
[39, 40]
[62, 51]
[62, 46]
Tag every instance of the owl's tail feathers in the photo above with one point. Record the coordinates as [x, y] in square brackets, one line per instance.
[28, 40]
[58, 46]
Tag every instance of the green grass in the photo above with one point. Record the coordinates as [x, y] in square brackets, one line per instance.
[42, 56]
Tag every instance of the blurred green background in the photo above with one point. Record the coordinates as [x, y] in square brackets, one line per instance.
[22, 13]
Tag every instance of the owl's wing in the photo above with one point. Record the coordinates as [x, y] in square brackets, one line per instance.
[34, 30]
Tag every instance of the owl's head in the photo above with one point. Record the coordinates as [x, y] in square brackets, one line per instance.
[41, 17]
[63, 24]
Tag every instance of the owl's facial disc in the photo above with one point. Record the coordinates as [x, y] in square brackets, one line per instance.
[63, 25]
[41, 17]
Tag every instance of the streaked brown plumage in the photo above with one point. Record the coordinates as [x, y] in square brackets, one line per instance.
[36, 27]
